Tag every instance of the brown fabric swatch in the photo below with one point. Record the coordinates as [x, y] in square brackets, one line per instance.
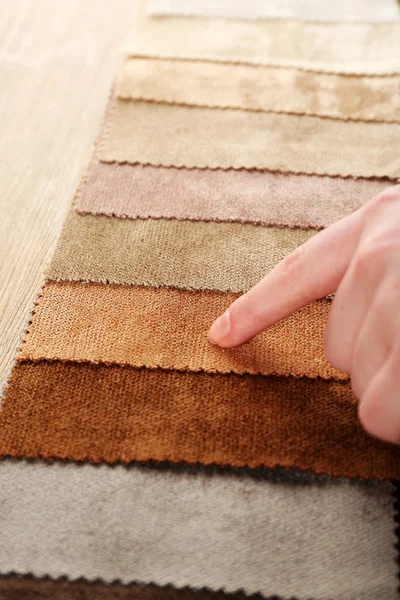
[167, 328]
[13, 587]
[267, 89]
[179, 136]
[183, 254]
[342, 48]
[254, 197]
[113, 413]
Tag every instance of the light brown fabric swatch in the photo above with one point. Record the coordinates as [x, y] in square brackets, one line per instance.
[167, 328]
[267, 89]
[266, 198]
[193, 137]
[309, 10]
[112, 413]
[183, 254]
[220, 531]
[334, 48]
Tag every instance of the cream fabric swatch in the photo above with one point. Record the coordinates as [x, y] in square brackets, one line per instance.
[309, 10]
[183, 254]
[164, 135]
[308, 539]
[135, 191]
[268, 89]
[332, 48]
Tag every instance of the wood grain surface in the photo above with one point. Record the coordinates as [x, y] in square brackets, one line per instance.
[57, 63]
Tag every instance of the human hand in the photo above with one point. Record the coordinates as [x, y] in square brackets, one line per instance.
[359, 259]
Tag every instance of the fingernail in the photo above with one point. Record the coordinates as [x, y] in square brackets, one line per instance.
[220, 329]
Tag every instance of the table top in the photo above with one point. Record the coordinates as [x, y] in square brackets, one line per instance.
[57, 63]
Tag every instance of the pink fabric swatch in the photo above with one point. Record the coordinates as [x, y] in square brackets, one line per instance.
[255, 197]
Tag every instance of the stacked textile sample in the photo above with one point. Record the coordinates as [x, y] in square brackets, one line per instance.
[226, 145]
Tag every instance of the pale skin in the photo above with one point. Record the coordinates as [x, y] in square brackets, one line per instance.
[358, 259]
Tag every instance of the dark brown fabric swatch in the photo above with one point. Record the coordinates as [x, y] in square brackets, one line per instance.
[112, 413]
[13, 587]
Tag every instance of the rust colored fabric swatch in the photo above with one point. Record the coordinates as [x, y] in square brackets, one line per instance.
[167, 328]
[265, 89]
[13, 587]
[333, 48]
[183, 254]
[113, 413]
[194, 137]
[254, 197]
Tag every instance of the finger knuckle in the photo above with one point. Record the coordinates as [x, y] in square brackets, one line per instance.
[387, 197]
[372, 254]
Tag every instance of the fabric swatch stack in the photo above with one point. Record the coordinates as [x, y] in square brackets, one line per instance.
[227, 143]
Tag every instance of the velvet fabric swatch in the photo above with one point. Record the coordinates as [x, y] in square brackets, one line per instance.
[309, 10]
[221, 531]
[142, 326]
[255, 197]
[362, 48]
[13, 587]
[112, 413]
[194, 137]
[183, 254]
[267, 89]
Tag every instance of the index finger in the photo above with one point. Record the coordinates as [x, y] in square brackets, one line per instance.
[313, 271]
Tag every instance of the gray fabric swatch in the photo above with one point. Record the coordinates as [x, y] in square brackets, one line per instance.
[332, 539]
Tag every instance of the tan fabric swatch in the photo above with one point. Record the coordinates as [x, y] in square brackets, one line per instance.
[255, 197]
[192, 137]
[220, 531]
[112, 413]
[309, 10]
[267, 89]
[144, 327]
[183, 254]
[334, 48]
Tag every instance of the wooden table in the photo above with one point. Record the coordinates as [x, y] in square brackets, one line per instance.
[57, 63]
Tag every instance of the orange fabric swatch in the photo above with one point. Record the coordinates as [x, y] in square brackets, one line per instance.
[113, 413]
[167, 328]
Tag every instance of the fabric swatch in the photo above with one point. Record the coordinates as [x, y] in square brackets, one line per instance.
[122, 325]
[309, 10]
[183, 254]
[14, 587]
[111, 413]
[255, 197]
[194, 137]
[219, 531]
[266, 89]
[333, 48]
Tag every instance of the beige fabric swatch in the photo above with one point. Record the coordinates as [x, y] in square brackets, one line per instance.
[143, 327]
[267, 89]
[325, 540]
[310, 10]
[165, 135]
[183, 254]
[333, 48]
[267, 198]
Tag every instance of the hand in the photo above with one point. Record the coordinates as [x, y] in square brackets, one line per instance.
[359, 259]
